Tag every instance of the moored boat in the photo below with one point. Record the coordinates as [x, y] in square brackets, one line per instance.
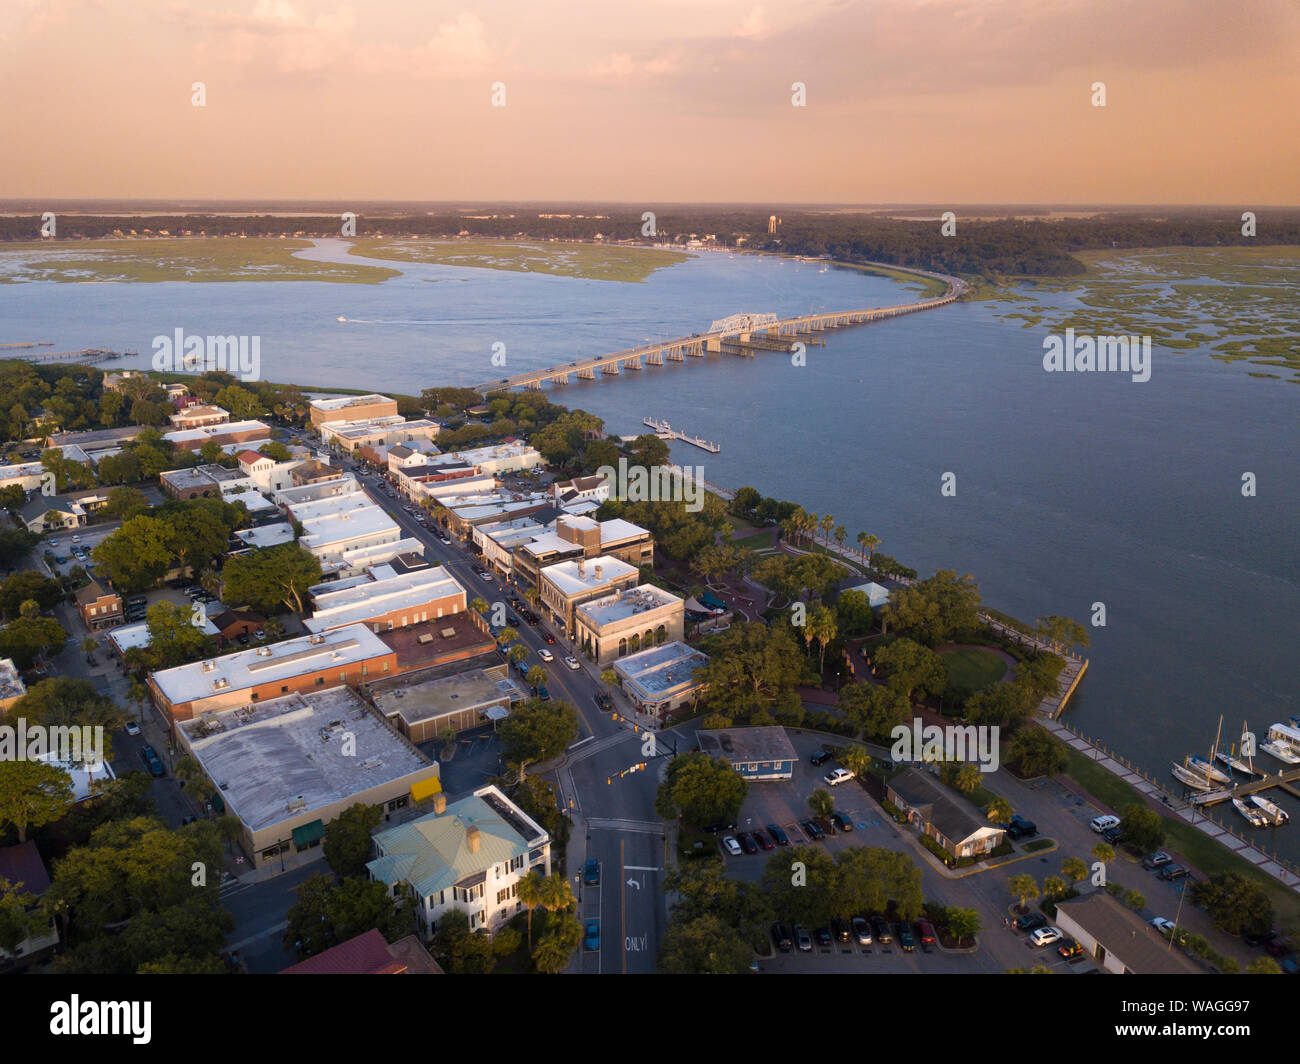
[1256, 817]
[1235, 764]
[1207, 769]
[1190, 777]
[1275, 813]
[1282, 751]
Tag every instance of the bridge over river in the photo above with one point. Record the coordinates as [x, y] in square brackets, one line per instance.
[740, 334]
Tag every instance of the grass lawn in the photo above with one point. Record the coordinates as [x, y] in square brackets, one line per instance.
[1186, 840]
[754, 539]
[594, 262]
[973, 668]
[199, 259]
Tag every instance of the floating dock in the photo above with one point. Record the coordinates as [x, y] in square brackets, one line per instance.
[666, 432]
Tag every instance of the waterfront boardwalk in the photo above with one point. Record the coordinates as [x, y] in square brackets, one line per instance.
[743, 333]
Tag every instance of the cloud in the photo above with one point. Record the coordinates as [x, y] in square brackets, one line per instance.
[753, 27]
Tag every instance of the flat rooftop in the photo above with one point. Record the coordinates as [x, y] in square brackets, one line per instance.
[551, 543]
[468, 690]
[747, 744]
[186, 479]
[659, 670]
[627, 602]
[208, 432]
[378, 553]
[345, 401]
[354, 523]
[367, 599]
[421, 644]
[252, 500]
[290, 750]
[616, 530]
[267, 535]
[338, 649]
[574, 577]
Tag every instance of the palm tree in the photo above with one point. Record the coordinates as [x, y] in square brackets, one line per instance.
[478, 604]
[856, 760]
[999, 811]
[532, 595]
[841, 534]
[1075, 868]
[821, 802]
[820, 625]
[517, 653]
[1103, 852]
[827, 523]
[137, 692]
[1023, 887]
[557, 894]
[871, 543]
[810, 523]
[609, 678]
[529, 893]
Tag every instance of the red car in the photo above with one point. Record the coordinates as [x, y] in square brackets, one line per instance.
[764, 841]
[548, 637]
[925, 932]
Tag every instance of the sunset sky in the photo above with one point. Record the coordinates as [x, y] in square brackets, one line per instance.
[931, 101]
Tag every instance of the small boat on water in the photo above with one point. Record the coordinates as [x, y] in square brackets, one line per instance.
[1282, 751]
[1191, 778]
[342, 318]
[1234, 764]
[1275, 813]
[1206, 769]
[1256, 817]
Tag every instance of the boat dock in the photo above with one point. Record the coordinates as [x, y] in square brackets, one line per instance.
[87, 354]
[28, 343]
[1286, 780]
[666, 432]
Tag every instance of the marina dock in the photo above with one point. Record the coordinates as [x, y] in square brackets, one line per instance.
[666, 432]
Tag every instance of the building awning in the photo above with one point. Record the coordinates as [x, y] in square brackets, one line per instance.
[426, 788]
[308, 833]
[217, 803]
[497, 712]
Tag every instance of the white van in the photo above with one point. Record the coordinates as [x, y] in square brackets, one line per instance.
[1104, 823]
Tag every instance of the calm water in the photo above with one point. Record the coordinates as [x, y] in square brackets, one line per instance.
[1071, 489]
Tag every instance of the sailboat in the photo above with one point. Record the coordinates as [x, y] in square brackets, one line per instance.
[1255, 816]
[1275, 813]
[1206, 769]
[1236, 765]
[1186, 774]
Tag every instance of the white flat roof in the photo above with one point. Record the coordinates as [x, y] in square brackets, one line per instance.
[252, 500]
[208, 431]
[344, 401]
[656, 672]
[294, 750]
[375, 553]
[876, 595]
[267, 664]
[552, 542]
[571, 581]
[128, 636]
[626, 603]
[367, 599]
[616, 529]
[355, 523]
[267, 535]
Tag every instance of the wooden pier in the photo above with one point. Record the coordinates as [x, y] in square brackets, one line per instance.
[666, 432]
[87, 354]
[1285, 780]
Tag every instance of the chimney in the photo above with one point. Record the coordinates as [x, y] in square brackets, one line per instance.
[599, 569]
[582, 568]
[472, 839]
[439, 804]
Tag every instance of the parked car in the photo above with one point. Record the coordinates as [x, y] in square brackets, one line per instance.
[826, 826]
[820, 758]
[861, 930]
[603, 702]
[1104, 823]
[1277, 947]
[1172, 872]
[778, 836]
[842, 822]
[905, 939]
[721, 825]
[546, 655]
[812, 830]
[781, 938]
[591, 940]
[591, 872]
[925, 932]
[732, 846]
[1030, 922]
[763, 841]
[802, 938]
[543, 694]
[884, 933]
[823, 935]
[1165, 927]
[1258, 938]
[1020, 828]
[840, 929]
[746, 843]
[1069, 949]
[1113, 835]
[572, 663]
[1156, 860]
[132, 728]
[151, 761]
[1045, 936]
[837, 776]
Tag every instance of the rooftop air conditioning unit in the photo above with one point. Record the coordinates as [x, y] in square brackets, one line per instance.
[297, 804]
[208, 666]
[220, 683]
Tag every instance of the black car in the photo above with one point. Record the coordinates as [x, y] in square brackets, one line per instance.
[781, 938]
[840, 930]
[1259, 938]
[812, 830]
[603, 702]
[842, 822]
[778, 836]
[820, 758]
[1020, 828]
[1030, 922]
[721, 825]
[823, 936]
[746, 842]
[1171, 872]
[1113, 835]
[884, 933]
[150, 758]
